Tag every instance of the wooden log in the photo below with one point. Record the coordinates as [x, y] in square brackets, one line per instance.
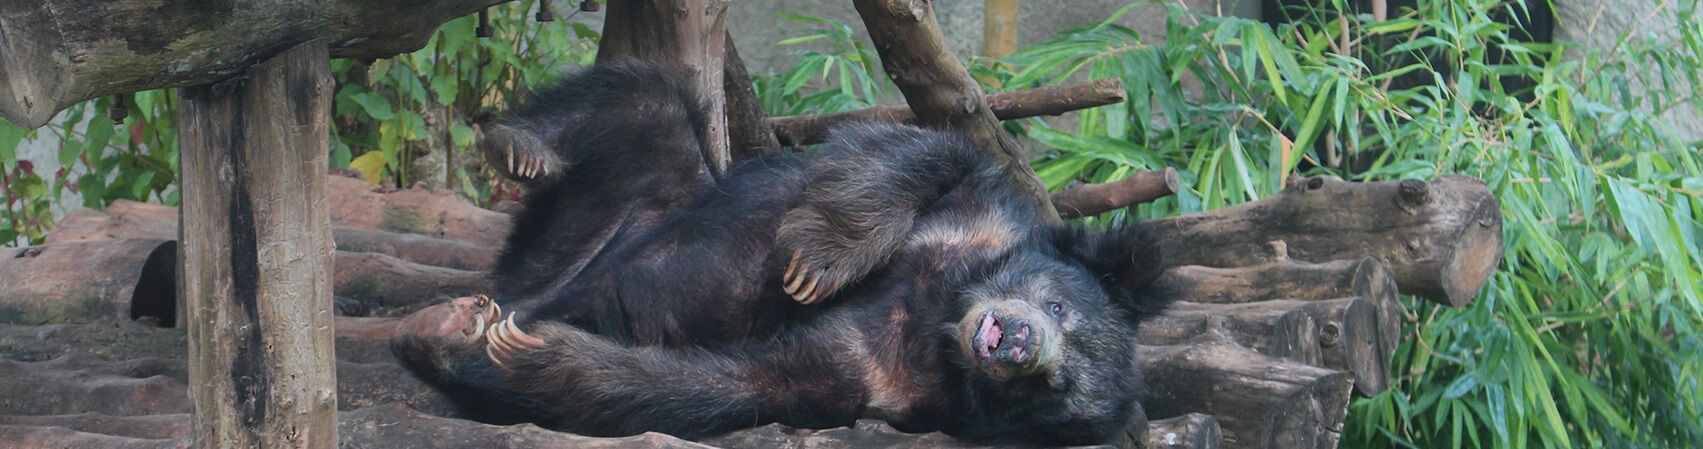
[1340, 334]
[60, 52]
[799, 130]
[1259, 401]
[151, 386]
[257, 254]
[748, 133]
[133, 220]
[114, 280]
[388, 286]
[938, 88]
[440, 214]
[385, 426]
[866, 433]
[1094, 199]
[690, 34]
[1285, 278]
[359, 340]
[1191, 431]
[1440, 240]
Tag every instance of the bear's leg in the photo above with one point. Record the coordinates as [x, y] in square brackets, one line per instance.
[863, 196]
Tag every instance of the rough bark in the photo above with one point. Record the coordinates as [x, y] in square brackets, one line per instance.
[865, 434]
[1340, 334]
[1191, 431]
[60, 52]
[380, 285]
[133, 220]
[440, 214]
[801, 130]
[1285, 278]
[1094, 199]
[257, 258]
[114, 280]
[748, 133]
[938, 88]
[1259, 401]
[690, 34]
[1440, 240]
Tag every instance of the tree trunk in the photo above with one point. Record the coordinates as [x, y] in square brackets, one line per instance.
[85, 282]
[1440, 240]
[1340, 334]
[60, 52]
[1259, 401]
[937, 86]
[690, 34]
[257, 254]
[799, 130]
[748, 133]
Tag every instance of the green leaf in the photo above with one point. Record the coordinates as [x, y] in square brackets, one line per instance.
[375, 106]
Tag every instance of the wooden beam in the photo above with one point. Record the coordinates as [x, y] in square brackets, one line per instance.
[799, 130]
[257, 254]
[56, 53]
[939, 89]
[1261, 402]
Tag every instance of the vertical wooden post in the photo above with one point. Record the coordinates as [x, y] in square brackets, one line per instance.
[999, 28]
[257, 255]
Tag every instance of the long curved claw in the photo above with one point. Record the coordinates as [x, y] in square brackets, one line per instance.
[521, 339]
[497, 360]
[478, 327]
[805, 296]
[792, 267]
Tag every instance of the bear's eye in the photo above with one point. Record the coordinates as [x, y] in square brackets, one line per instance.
[1055, 308]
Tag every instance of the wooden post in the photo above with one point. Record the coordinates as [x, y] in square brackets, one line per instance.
[256, 254]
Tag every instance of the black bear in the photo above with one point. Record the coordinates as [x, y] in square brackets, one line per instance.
[898, 274]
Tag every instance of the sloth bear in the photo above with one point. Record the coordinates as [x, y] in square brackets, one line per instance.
[898, 275]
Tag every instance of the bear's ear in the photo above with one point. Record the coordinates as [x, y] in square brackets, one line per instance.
[1126, 258]
[516, 151]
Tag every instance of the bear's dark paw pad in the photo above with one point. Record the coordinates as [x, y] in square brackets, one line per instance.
[809, 280]
[504, 341]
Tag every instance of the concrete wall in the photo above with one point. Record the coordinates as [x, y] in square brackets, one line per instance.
[1598, 24]
[756, 27]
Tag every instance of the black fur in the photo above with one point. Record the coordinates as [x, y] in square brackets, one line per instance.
[658, 289]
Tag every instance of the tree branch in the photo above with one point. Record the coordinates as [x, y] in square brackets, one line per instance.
[1051, 100]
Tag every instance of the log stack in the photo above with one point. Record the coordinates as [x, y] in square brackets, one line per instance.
[1286, 307]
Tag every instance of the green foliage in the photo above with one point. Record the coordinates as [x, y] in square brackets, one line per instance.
[837, 78]
[387, 112]
[1589, 333]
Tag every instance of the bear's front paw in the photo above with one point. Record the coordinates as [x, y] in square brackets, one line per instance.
[823, 258]
[504, 340]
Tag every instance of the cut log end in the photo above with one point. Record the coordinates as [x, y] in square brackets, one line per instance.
[1476, 253]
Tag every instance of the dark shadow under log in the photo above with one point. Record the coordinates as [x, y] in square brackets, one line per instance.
[1340, 334]
[1191, 431]
[83, 282]
[1440, 240]
[1259, 401]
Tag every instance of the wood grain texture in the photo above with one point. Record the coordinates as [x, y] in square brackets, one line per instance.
[256, 251]
[1260, 401]
[689, 34]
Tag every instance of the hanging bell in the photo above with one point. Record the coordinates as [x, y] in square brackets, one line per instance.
[589, 5]
[118, 111]
[544, 12]
[484, 29]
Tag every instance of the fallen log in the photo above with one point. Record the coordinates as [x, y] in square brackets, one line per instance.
[441, 214]
[1191, 431]
[89, 281]
[1094, 199]
[154, 386]
[359, 340]
[1440, 240]
[1340, 334]
[1285, 278]
[1259, 401]
[865, 434]
[385, 426]
[381, 285]
[133, 220]
[60, 52]
[800, 130]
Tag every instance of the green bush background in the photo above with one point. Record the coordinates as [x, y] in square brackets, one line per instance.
[1587, 335]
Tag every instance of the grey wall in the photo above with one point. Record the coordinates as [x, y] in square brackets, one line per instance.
[756, 27]
[1598, 24]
